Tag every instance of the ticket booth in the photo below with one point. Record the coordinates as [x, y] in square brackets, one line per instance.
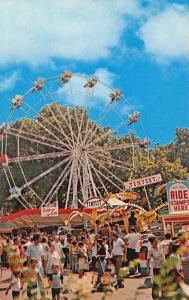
[173, 223]
[178, 205]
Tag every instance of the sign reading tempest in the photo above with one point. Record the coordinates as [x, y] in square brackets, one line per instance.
[178, 197]
[94, 202]
[131, 184]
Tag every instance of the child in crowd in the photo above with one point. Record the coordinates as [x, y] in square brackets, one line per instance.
[56, 282]
[73, 256]
[33, 278]
[110, 267]
[111, 272]
[82, 259]
[15, 285]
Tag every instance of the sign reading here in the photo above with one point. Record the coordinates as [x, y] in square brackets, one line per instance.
[178, 197]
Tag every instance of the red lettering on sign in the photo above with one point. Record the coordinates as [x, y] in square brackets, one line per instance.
[185, 192]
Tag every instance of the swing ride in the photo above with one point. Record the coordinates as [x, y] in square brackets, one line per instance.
[59, 141]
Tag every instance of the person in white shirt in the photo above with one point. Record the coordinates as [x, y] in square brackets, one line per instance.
[92, 236]
[131, 240]
[105, 242]
[58, 246]
[157, 259]
[45, 245]
[52, 257]
[56, 282]
[166, 245]
[35, 250]
[15, 285]
[118, 253]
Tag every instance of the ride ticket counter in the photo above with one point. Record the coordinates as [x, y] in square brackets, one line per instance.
[178, 204]
[172, 224]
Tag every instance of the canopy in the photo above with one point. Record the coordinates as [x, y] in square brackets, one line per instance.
[32, 217]
[6, 227]
[113, 201]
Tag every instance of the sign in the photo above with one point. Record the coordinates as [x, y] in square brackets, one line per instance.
[131, 184]
[185, 228]
[49, 211]
[94, 202]
[178, 197]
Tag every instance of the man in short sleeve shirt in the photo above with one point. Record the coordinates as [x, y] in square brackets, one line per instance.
[35, 250]
[118, 253]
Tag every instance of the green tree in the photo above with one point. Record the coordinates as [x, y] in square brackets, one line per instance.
[179, 149]
[157, 162]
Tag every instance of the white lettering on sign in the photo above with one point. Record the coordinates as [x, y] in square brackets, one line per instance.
[178, 197]
[142, 181]
[49, 211]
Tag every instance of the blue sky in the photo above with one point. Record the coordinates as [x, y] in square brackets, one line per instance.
[140, 47]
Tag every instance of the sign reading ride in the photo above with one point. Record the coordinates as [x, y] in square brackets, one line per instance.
[49, 211]
[131, 184]
[178, 197]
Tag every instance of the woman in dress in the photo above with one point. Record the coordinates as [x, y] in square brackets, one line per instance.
[52, 257]
[156, 259]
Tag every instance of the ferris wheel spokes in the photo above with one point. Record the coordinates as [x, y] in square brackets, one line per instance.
[38, 177]
[99, 178]
[100, 138]
[34, 140]
[73, 136]
[79, 126]
[37, 157]
[111, 161]
[55, 188]
[70, 182]
[37, 136]
[107, 178]
[108, 171]
[47, 129]
[56, 119]
[62, 116]
[90, 175]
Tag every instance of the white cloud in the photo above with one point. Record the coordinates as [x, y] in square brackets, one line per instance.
[166, 34]
[7, 83]
[74, 93]
[35, 32]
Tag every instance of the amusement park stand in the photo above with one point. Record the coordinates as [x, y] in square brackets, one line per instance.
[173, 223]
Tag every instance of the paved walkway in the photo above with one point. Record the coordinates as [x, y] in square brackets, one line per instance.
[129, 292]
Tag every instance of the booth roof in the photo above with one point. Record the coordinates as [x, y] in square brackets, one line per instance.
[6, 227]
[32, 217]
[175, 218]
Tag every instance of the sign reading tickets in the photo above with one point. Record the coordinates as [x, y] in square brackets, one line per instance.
[49, 211]
[178, 197]
[131, 184]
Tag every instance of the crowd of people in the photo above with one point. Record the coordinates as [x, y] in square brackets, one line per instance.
[104, 250]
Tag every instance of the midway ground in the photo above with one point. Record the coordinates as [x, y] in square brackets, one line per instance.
[130, 292]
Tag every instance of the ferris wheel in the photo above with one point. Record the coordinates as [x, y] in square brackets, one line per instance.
[67, 138]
